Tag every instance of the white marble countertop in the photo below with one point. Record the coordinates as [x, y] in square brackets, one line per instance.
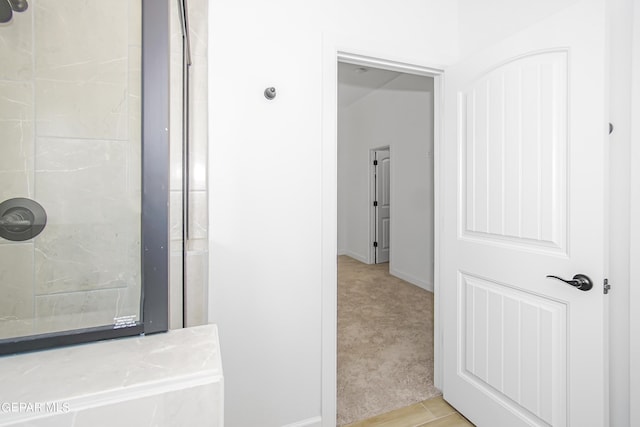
[111, 370]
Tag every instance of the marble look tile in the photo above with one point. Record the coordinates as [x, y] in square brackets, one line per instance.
[68, 311]
[175, 246]
[16, 328]
[175, 165]
[54, 420]
[135, 73]
[15, 184]
[135, 117]
[175, 29]
[198, 215]
[175, 215]
[194, 406]
[135, 23]
[199, 26]
[110, 368]
[16, 289]
[170, 379]
[83, 181]
[198, 245]
[16, 126]
[175, 290]
[92, 240]
[72, 257]
[16, 130]
[134, 159]
[131, 301]
[16, 101]
[82, 40]
[197, 289]
[199, 122]
[82, 109]
[16, 47]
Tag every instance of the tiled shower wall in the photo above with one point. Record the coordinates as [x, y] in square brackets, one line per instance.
[70, 139]
[196, 247]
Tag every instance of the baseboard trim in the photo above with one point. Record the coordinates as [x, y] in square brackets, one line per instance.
[362, 259]
[411, 279]
[309, 422]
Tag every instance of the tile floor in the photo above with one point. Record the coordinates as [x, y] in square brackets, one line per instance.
[430, 413]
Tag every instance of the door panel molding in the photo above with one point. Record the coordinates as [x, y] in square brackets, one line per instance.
[506, 197]
[514, 347]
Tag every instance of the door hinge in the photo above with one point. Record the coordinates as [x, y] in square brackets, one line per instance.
[375, 203]
[375, 244]
[607, 286]
[375, 163]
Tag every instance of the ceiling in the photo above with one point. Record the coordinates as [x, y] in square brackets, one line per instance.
[353, 85]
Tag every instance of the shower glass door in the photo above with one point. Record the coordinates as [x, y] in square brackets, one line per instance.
[70, 141]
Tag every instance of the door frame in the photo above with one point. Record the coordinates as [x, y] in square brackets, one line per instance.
[332, 53]
[372, 197]
[634, 249]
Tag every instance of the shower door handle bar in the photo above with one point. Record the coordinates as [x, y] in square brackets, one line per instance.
[186, 63]
[186, 184]
[184, 21]
[186, 193]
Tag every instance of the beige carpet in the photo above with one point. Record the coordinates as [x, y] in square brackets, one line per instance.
[385, 342]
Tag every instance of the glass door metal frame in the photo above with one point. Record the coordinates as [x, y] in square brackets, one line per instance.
[154, 301]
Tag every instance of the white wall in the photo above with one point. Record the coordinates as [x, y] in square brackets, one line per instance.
[398, 115]
[265, 183]
[266, 176]
[485, 22]
[634, 309]
[620, 12]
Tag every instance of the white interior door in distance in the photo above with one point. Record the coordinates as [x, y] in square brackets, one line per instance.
[383, 205]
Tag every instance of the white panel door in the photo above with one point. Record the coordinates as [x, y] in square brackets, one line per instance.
[383, 205]
[524, 197]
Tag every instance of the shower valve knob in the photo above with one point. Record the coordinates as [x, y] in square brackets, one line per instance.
[21, 219]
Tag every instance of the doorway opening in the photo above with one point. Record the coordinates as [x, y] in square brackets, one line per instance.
[386, 240]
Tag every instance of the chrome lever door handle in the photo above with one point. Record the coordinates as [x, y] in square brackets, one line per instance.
[579, 281]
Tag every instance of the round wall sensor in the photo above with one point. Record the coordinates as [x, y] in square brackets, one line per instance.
[270, 93]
